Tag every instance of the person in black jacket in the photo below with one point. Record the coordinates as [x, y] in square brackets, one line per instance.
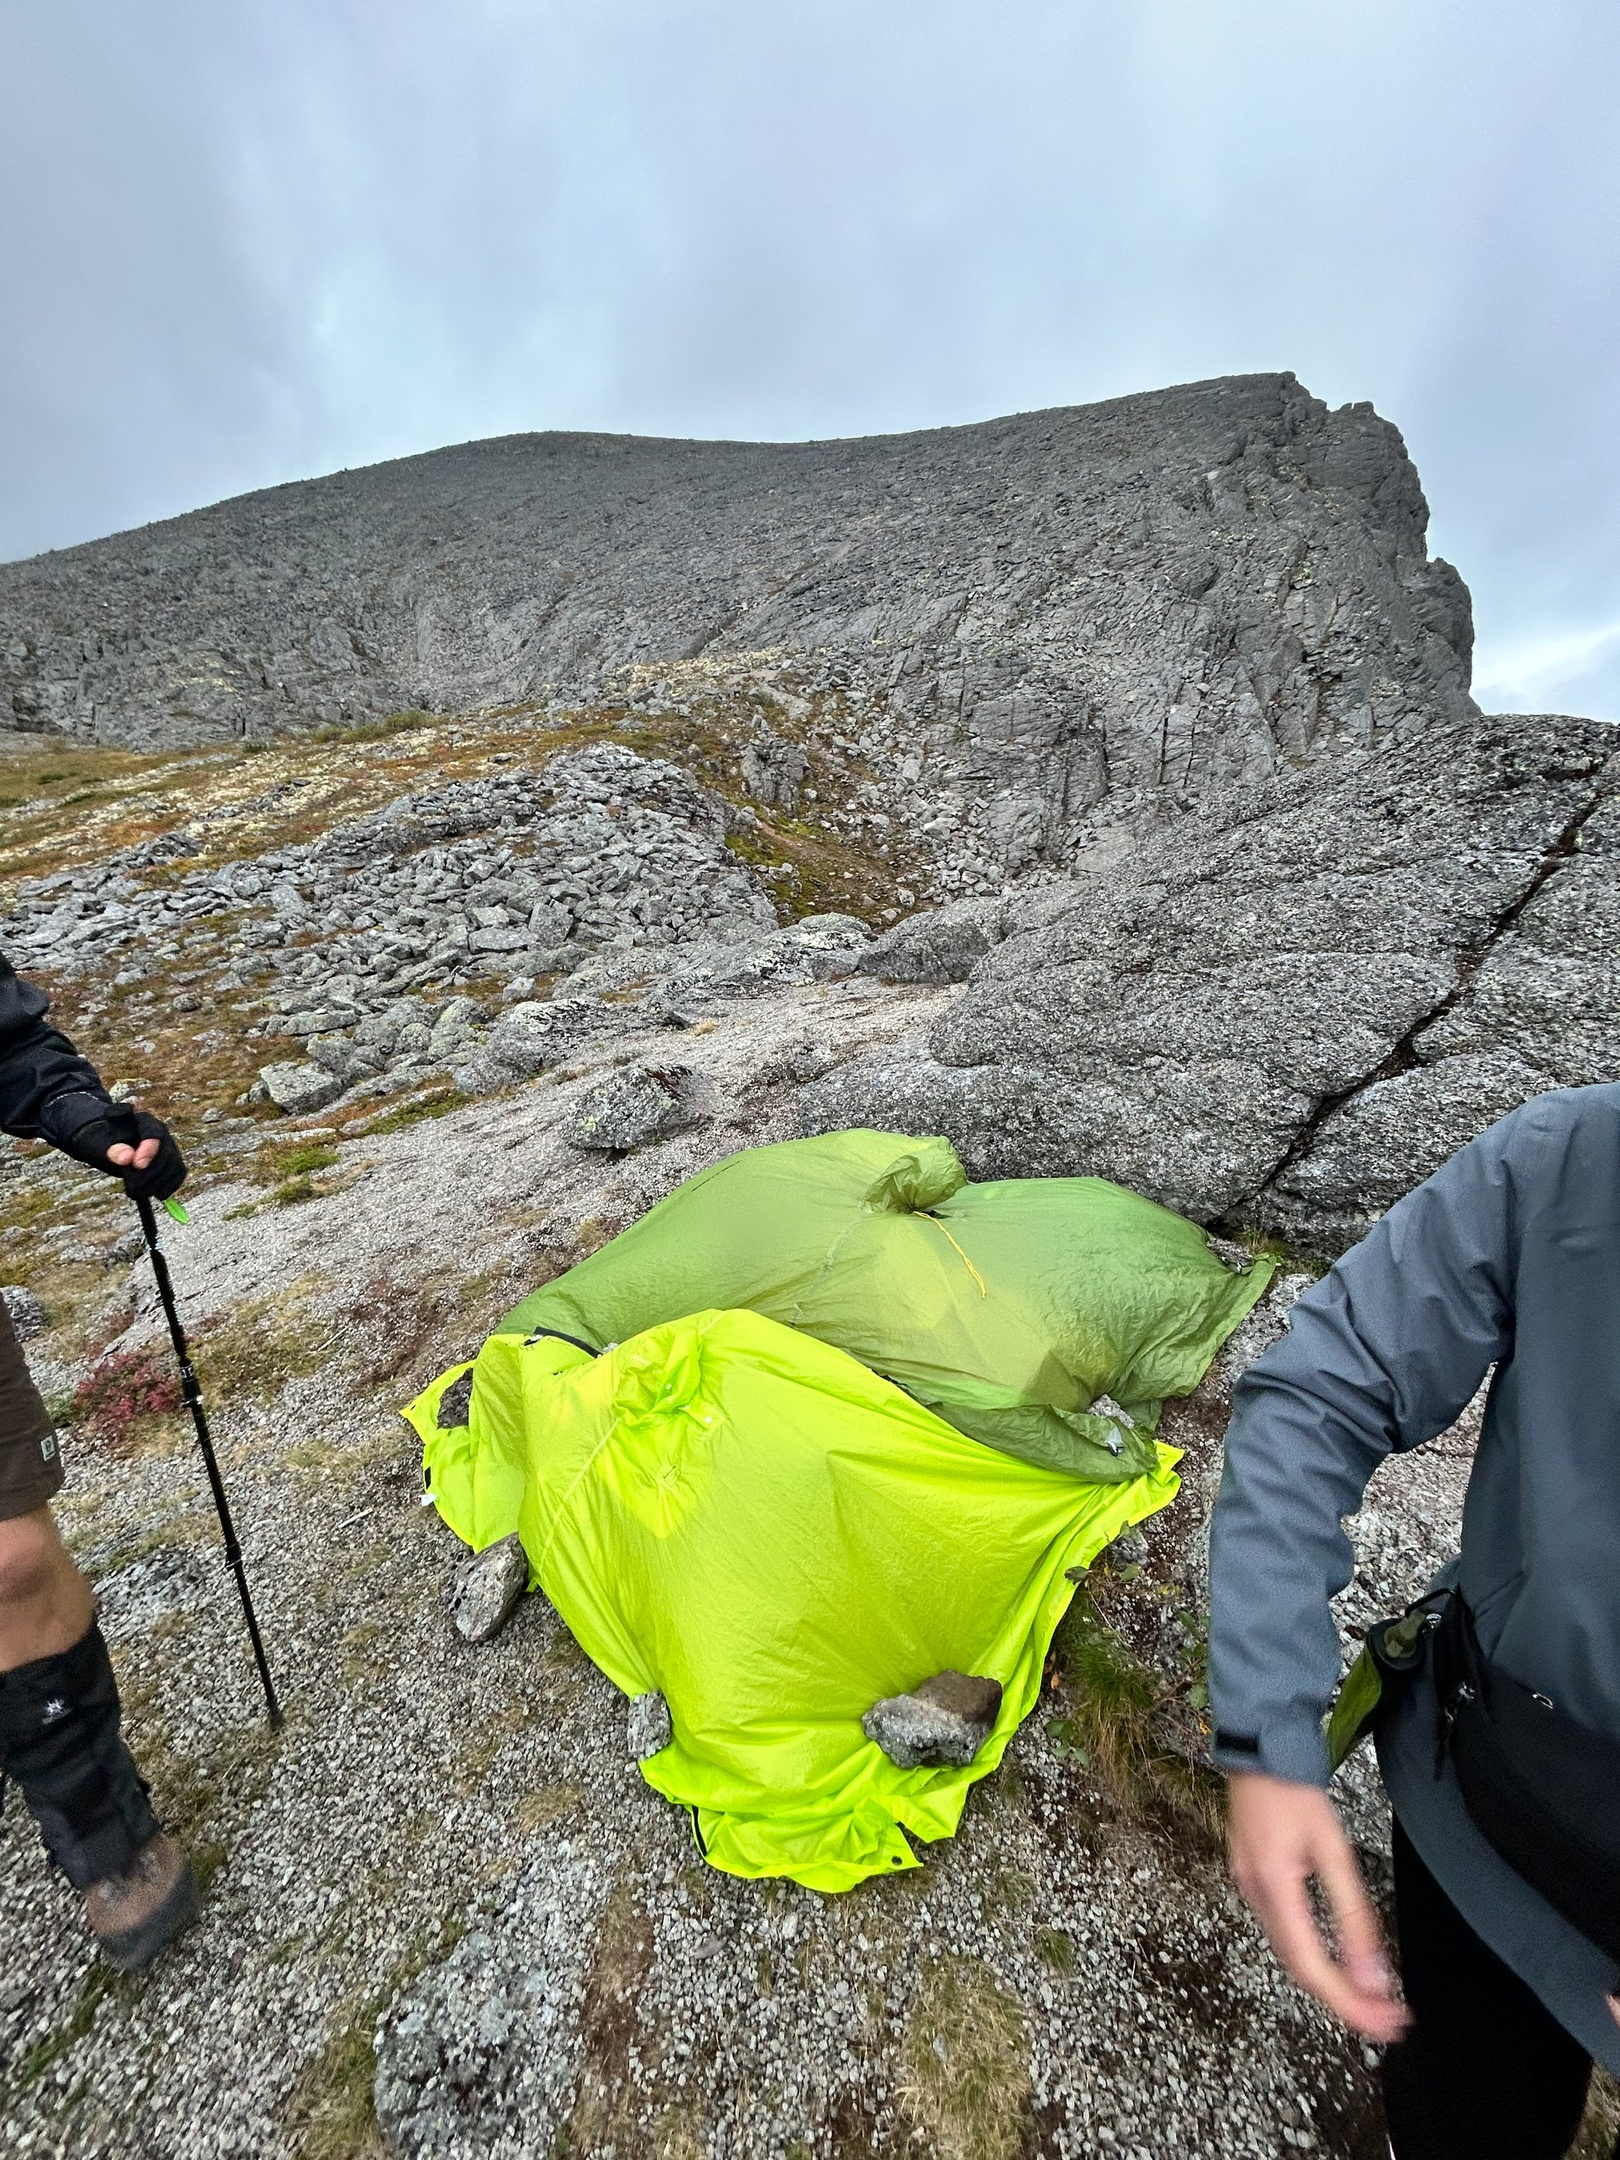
[60, 1742]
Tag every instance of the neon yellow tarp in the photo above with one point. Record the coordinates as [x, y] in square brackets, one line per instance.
[775, 1537]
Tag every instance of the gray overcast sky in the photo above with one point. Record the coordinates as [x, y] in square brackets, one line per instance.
[244, 244]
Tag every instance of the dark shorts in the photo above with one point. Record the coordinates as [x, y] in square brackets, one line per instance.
[30, 1460]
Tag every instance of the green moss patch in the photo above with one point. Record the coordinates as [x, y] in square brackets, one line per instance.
[413, 1113]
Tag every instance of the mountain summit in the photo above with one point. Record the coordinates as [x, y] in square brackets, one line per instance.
[1088, 609]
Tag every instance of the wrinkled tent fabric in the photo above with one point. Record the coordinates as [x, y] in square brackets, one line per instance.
[1008, 1308]
[749, 1503]
[775, 1537]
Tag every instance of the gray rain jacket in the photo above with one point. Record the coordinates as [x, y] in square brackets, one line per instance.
[1509, 1256]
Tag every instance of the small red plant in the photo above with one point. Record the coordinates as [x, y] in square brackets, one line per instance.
[125, 1390]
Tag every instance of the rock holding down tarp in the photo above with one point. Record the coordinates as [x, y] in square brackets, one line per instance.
[485, 1589]
[943, 1720]
[748, 1522]
[648, 1730]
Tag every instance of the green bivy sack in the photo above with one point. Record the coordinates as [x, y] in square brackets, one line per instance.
[1008, 1308]
[775, 1537]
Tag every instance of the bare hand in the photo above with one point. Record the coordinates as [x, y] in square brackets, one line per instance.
[133, 1158]
[1282, 1836]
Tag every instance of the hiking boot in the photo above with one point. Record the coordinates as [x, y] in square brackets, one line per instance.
[135, 1915]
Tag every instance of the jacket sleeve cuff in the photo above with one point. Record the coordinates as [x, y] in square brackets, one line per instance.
[63, 1117]
[1294, 1751]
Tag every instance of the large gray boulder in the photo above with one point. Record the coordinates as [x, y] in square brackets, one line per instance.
[773, 771]
[1289, 1010]
[1146, 598]
[639, 1105]
[296, 1090]
[528, 1038]
[941, 945]
[945, 944]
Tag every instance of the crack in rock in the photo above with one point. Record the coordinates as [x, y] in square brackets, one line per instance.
[1403, 1057]
[1192, 1019]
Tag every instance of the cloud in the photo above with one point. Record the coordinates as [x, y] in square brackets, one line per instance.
[1561, 671]
[242, 245]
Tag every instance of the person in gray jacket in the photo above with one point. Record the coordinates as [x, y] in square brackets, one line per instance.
[1505, 1263]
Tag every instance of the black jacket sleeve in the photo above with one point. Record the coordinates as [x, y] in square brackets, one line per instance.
[47, 1091]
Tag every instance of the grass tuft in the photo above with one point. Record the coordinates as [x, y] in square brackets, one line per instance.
[966, 2081]
[1600, 2125]
[1291, 1259]
[188, 1525]
[547, 1804]
[333, 2115]
[364, 731]
[1108, 1725]
[413, 1113]
[678, 2136]
[257, 1349]
[301, 1160]
[293, 1192]
[46, 2052]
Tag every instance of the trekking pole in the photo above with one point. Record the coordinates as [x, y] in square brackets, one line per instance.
[193, 1396]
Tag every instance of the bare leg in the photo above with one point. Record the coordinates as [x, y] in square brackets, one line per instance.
[59, 1739]
[45, 1603]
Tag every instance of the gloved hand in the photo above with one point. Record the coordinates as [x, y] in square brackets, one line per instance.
[132, 1145]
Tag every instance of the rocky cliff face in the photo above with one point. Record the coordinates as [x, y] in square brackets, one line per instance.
[1290, 1009]
[1065, 620]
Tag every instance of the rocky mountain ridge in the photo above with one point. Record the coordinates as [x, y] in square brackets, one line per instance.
[1068, 621]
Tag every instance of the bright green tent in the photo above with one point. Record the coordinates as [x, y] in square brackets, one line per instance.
[727, 1510]
[1007, 1308]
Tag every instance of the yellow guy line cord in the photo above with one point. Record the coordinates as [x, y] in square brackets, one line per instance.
[966, 1262]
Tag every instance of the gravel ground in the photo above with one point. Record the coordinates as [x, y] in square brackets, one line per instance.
[1088, 1979]
[447, 1850]
[1069, 1976]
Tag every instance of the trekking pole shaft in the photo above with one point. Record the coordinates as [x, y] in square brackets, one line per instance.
[193, 1399]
